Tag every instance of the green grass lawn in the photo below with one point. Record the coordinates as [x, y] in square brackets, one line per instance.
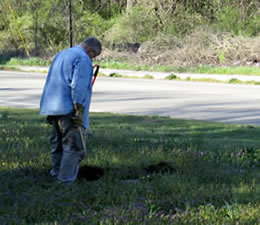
[157, 170]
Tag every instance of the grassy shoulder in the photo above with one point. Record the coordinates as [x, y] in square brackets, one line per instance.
[199, 172]
[238, 70]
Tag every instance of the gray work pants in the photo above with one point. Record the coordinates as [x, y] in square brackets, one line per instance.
[67, 148]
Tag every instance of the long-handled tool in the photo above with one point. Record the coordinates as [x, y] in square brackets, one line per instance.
[95, 74]
[79, 128]
[82, 138]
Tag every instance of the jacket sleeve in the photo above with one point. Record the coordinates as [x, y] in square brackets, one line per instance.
[81, 83]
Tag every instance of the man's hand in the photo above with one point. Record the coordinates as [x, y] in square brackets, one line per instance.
[77, 119]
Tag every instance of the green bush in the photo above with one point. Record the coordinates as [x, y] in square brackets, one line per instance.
[183, 23]
[11, 40]
[92, 24]
[136, 25]
[232, 20]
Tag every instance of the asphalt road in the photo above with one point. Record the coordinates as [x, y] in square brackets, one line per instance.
[231, 103]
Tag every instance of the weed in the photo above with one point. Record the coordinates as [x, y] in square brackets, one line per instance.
[172, 77]
[147, 76]
[234, 81]
[115, 75]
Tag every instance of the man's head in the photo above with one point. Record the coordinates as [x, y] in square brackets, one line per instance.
[92, 47]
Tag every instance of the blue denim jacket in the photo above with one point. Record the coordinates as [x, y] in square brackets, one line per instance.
[69, 81]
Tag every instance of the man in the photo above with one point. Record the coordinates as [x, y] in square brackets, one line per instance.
[65, 100]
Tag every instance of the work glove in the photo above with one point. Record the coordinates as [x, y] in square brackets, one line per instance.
[77, 119]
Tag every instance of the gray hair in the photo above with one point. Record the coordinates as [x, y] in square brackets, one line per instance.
[93, 43]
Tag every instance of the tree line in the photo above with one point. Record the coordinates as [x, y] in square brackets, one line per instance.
[44, 25]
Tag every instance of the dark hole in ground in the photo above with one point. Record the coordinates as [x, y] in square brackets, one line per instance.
[161, 167]
[92, 173]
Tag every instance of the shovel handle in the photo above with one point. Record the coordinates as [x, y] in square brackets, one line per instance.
[95, 74]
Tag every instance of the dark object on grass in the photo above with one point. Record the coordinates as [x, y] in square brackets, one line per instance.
[90, 173]
[161, 167]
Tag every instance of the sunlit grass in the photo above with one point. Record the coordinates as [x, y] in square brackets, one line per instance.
[213, 176]
[32, 61]
[239, 70]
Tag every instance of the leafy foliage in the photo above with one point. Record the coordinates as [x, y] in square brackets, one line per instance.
[44, 24]
[230, 19]
[136, 25]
